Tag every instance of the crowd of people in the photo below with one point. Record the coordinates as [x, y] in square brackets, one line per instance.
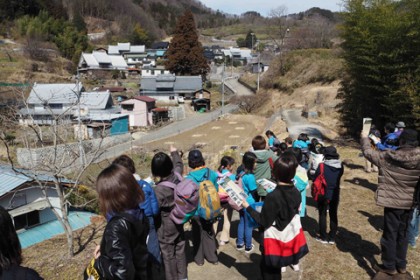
[144, 237]
[273, 212]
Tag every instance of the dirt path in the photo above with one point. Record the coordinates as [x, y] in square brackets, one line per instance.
[296, 124]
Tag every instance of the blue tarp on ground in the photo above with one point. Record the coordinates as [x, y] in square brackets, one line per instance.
[45, 231]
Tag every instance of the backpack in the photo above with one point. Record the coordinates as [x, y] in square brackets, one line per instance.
[319, 184]
[185, 198]
[209, 207]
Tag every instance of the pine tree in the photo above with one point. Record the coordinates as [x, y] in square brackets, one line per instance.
[185, 55]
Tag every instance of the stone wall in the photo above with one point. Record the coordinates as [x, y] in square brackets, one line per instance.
[70, 155]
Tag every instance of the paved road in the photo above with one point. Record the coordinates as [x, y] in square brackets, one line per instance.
[296, 124]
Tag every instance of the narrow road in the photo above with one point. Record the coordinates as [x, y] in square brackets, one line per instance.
[296, 124]
[184, 125]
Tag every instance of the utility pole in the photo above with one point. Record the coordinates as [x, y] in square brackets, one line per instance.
[79, 121]
[258, 73]
[223, 85]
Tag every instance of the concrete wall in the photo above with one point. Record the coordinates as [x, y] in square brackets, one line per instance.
[67, 156]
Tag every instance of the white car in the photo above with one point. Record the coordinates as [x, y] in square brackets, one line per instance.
[181, 99]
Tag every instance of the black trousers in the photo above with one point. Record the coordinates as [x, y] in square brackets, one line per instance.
[332, 208]
[204, 241]
[269, 272]
[394, 241]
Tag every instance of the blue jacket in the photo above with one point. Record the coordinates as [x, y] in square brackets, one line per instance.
[249, 184]
[389, 142]
[301, 182]
[150, 204]
[300, 144]
[199, 176]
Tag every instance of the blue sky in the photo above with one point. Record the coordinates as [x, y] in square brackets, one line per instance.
[264, 6]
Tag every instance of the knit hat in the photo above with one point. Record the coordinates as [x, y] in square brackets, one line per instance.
[330, 152]
[400, 124]
[195, 156]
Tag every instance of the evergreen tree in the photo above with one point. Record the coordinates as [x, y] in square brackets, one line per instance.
[185, 55]
[139, 36]
[79, 22]
[381, 52]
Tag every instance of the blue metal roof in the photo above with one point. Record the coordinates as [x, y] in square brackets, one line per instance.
[10, 180]
[45, 231]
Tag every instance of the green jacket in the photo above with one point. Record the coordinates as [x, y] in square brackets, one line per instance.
[263, 168]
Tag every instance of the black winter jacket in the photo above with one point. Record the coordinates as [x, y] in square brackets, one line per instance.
[123, 247]
[20, 273]
[333, 170]
[281, 205]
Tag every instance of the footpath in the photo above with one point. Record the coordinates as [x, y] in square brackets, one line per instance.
[238, 265]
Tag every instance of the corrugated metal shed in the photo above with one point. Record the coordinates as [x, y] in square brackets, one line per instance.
[45, 231]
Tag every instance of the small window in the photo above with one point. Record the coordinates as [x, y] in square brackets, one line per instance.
[27, 220]
[128, 107]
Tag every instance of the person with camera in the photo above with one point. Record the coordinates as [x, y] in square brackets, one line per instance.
[398, 175]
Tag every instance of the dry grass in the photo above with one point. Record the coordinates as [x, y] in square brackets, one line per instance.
[49, 258]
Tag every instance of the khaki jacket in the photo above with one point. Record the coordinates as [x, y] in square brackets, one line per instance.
[399, 172]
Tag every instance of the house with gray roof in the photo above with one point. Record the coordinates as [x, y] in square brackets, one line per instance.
[170, 86]
[133, 54]
[49, 104]
[98, 60]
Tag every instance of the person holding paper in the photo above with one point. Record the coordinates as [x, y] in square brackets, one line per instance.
[249, 185]
[225, 170]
